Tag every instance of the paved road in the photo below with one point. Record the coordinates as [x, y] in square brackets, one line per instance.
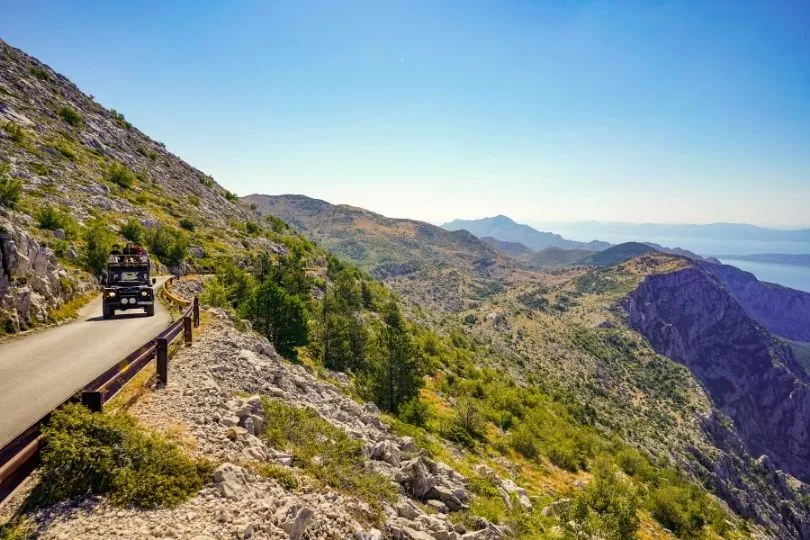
[41, 370]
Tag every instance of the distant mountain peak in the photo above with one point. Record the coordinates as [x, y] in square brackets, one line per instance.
[506, 229]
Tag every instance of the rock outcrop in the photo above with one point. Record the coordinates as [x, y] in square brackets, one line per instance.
[31, 280]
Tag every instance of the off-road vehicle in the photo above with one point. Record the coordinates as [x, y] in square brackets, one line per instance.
[129, 285]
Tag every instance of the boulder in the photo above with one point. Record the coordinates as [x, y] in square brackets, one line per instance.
[230, 480]
[294, 519]
[386, 451]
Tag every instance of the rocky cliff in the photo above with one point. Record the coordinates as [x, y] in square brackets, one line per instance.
[31, 280]
[782, 310]
[691, 317]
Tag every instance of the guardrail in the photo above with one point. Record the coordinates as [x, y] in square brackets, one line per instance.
[20, 456]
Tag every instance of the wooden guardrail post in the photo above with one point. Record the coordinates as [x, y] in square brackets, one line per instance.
[187, 335]
[93, 400]
[195, 310]
[162, 355]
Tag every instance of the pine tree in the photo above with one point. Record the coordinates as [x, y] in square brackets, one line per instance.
[279, 316]
[398, 369]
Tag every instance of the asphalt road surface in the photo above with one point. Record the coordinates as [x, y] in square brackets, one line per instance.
[41, 370]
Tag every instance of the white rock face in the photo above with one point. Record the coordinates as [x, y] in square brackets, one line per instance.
[31, 280]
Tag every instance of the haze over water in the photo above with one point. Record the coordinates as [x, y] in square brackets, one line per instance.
[796, 277]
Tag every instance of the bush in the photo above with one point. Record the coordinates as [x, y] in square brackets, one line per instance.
[99, 241]
[10, 189]
[52, 218]
[607, 507]
[233, 197]
[121, 175]
[133, 231]
[15, 132]
[66, 151]
[278, 315]
[679, 508]
[120, 119]
[415, 412]
[70, 116]
[40, 74]
[194, 200]
[252, 228]
[281, 474]
[187, 224]
[100, 454]
[522, 440]
[169, 245]
[215, 294]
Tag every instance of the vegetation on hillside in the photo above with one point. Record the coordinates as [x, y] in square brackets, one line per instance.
[111, 455]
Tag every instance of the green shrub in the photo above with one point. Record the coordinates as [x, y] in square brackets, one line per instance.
[215, 294]
[415, 412]
[278, 315]
[324, 451]
[15, 132]
[40, 168]
[133, 231]
[99, 241]
[607, 506]
[147, 152]
[10, 188]
[522, 440]
[121, 175]
[281, 474]
[680, 509]
[187, 224]
[252, 228]
[120, 119]
[194, 200]
[70, 116]
[170, 246]
[66, 151]
[87, 453]
[40, 74]
[233, 197]
[52, 218]
[276, 224]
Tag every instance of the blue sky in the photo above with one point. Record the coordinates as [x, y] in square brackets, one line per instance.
[659, 111]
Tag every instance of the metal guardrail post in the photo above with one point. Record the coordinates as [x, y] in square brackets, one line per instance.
[196, 311]
[187, 335]
[162, 356]
[93, 400]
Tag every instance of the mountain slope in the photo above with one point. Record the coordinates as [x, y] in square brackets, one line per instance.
[457, 267]
[691, 317]
[617, 254]
[82, 166]
[504, 228]
[782, 310]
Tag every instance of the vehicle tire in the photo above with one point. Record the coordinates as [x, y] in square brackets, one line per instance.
[108, 312]
[150, 311]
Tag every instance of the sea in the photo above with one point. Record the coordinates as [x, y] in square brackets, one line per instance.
[795, 277]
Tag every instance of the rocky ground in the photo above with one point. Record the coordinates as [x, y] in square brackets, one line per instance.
[213, 404]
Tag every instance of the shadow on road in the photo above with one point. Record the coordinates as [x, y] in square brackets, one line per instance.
[99, 318]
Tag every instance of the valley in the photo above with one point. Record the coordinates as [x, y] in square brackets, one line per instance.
[370, 377]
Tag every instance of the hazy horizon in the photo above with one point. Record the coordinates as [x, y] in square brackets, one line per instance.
[648, 112]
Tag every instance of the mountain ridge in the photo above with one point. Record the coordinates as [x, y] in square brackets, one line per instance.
[504, 228]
